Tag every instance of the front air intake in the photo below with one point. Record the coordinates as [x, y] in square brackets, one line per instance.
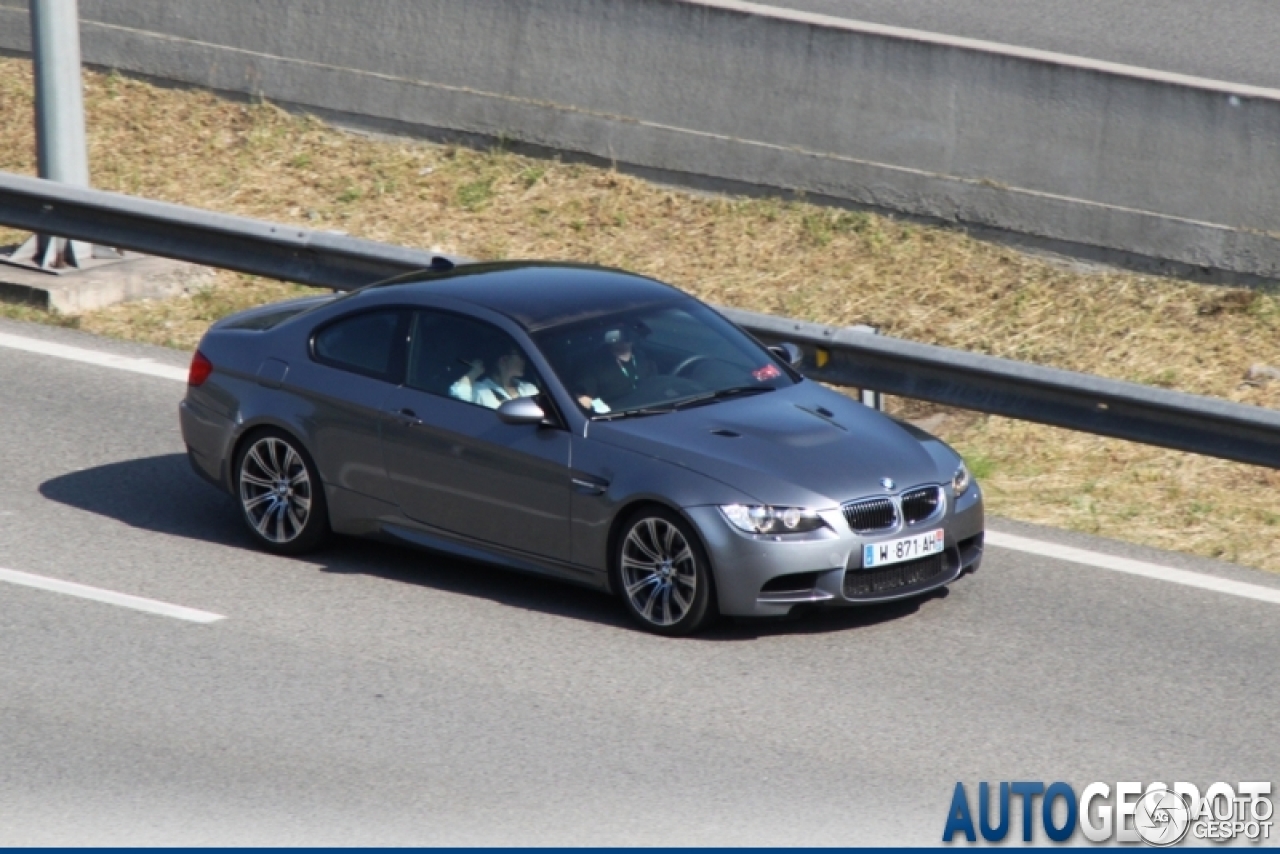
[890, 580]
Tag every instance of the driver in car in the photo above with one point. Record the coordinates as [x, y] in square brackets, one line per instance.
[620, 370]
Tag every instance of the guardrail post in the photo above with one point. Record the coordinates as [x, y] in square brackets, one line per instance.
[870, 397]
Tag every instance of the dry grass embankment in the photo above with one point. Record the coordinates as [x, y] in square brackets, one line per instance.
[923, 283]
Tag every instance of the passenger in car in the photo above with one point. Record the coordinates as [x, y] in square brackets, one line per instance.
[492, 388]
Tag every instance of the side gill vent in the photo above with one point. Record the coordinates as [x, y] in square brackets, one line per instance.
[728, 434]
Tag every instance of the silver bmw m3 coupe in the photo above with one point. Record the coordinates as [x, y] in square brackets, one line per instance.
[578, 422]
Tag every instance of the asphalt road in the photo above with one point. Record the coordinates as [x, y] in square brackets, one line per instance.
[1230, 40]
[374, 695]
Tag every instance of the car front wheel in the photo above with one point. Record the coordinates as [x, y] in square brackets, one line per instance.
[663, 575]
[281, 497]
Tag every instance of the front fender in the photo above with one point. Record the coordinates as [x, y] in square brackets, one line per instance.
[622, 480]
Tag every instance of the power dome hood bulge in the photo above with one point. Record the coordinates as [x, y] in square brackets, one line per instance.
[781, 447]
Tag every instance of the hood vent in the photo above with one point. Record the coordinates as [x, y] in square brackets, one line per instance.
[728, 434]
[824, 414]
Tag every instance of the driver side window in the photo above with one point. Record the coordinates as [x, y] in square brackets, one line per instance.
[467, 360]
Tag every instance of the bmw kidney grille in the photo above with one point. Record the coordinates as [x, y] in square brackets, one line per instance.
[870, 515]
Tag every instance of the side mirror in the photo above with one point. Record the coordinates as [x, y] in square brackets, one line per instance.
[521, 410]
[789, 353]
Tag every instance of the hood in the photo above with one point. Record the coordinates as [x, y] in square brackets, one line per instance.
[799, 446]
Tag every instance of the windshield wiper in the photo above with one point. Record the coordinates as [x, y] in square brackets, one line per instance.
[627, 413]
[732, 391]
[709, 397]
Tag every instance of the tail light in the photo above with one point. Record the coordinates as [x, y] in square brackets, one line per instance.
[201, 367]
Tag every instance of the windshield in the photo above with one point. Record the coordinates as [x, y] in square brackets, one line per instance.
[658, 359]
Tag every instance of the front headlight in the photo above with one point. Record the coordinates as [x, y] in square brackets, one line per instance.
[763, 519]
[960, 481]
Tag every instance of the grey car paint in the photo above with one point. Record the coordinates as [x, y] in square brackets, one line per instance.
[464, 471]
[435, 472]
[804, 446]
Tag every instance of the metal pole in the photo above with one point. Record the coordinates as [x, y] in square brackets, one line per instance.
[60, 140]
[61, 151]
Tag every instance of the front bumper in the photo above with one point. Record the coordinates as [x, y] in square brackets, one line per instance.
[767, 576]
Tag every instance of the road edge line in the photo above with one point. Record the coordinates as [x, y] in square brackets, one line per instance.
[1133, 567]
[92, 357]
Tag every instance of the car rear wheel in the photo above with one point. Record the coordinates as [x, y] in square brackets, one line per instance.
[663, 575]
[281, 497]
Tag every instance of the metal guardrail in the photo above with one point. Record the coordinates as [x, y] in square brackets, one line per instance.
[321, 258]
[837, 355]
[1084, 402]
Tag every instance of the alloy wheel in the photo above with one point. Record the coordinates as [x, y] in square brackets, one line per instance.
[659, 572]
[275, 490]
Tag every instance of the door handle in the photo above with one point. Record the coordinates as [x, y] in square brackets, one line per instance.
[408, 416]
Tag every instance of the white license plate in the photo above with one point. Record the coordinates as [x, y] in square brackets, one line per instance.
[906, 548]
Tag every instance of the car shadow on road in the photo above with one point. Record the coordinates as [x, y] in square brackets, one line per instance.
[159, 494]
[162, 494]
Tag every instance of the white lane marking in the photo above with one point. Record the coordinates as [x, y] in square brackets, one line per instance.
[92, 357]
[1134, 567]
[110, 597]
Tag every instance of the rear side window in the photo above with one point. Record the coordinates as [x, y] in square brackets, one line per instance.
[364, 343]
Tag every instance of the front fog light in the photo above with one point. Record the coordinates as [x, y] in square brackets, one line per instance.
[960, 481]
[763, 519]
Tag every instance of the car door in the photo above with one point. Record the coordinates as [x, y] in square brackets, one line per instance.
[454, 465]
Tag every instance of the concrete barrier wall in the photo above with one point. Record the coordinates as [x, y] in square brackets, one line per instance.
[1057, 147]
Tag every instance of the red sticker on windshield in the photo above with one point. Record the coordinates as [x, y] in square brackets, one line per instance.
[768, 372]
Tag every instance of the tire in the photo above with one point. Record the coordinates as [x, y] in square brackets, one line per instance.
[662, 574]
[280, 494]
